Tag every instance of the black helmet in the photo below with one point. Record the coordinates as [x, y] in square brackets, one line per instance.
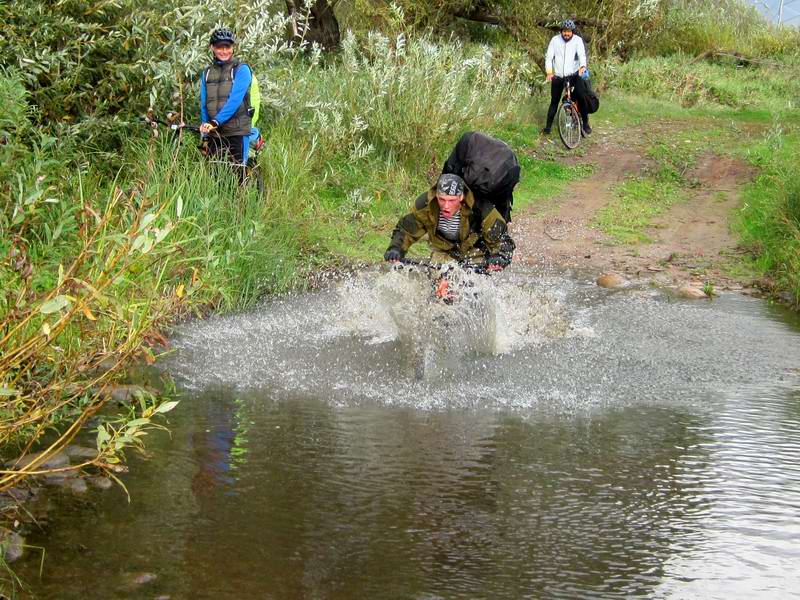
[568, 24]
[222, 36]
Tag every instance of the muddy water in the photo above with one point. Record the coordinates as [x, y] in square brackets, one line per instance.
[540, 437]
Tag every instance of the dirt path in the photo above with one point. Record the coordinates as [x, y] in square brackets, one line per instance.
[692, 241]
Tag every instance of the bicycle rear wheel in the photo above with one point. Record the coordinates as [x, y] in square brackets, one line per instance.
[569, 125]
[254, 176]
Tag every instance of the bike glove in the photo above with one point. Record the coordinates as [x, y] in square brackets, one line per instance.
[392, 255]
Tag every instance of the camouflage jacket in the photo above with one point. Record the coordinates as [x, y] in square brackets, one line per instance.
[483, 234]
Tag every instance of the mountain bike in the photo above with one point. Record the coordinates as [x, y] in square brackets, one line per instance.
[251, 171]
[569, 119]
[445, 287]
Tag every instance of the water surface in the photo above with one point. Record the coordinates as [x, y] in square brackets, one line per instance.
[540, 438]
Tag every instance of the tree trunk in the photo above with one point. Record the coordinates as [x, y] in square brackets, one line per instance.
[317, 25]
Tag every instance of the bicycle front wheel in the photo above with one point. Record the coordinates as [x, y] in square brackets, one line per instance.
[569, 125]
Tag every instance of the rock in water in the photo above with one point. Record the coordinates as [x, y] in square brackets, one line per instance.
[59, 459]
[691, 293]
[611, 280]
[12, 545]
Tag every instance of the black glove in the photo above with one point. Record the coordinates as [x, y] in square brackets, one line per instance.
[392, 255]
[215, 123]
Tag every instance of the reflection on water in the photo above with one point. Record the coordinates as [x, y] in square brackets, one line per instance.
[626, 445]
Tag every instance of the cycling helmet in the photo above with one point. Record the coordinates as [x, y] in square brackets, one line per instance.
[222, 36]
[568, 24]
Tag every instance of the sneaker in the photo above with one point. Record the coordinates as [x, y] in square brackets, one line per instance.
[586, 129]
[546, 131]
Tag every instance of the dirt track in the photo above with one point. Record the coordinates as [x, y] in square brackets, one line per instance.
[691, 241]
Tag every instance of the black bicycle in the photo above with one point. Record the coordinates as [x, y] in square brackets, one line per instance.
[569, 119]
[252, 170]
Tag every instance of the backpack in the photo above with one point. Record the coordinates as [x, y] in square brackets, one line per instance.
[252, 99]
[591, 99]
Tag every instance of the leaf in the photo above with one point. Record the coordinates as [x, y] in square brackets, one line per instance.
[179, 291]
[46, 329]
[179, 206]
[162, 233]
[138, 242]
[4, 391]
[165, 407]
[137, 422]
[54, 305]
[87, 313]
[146, 220]
[102, 437]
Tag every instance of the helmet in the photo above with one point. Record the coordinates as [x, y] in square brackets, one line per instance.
[222, 36]
[568, 24]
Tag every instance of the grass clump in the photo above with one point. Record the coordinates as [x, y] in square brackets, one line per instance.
[638, 201]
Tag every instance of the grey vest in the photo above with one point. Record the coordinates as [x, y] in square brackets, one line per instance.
[219, 82]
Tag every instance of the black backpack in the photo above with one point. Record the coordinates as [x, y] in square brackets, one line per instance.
[591, 99]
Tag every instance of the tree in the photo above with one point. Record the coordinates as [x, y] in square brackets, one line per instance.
[315, 23]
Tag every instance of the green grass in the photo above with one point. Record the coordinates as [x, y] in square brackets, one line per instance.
[769, 221]
[637, 202]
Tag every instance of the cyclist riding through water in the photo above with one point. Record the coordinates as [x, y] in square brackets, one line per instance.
[566, 60]
[458, 227]
[225, 106]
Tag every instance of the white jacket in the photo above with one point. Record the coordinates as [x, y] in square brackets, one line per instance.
[565, 58]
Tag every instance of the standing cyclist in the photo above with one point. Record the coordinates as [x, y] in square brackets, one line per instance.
[566, 60]
[225, 101]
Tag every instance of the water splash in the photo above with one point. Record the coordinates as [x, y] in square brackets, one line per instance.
[519, 340]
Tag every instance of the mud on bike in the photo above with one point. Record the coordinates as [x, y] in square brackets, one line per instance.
[251, 171]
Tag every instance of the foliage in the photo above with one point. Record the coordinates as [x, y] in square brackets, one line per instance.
[769, 221]
[721, 84]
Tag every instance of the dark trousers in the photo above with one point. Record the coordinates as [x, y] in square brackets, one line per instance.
[502, 197]
[578, 94]
[230, 147]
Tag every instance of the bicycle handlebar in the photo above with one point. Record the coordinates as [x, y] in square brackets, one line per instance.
[172, 123]
[466, 265]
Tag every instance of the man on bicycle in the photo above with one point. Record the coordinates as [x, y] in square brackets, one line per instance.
[458, 227]
[225, 100]
[489, 167]
[566, 61]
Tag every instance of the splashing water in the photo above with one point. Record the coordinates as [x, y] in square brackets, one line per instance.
[516, 340]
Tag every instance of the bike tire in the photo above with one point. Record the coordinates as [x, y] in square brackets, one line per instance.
[254, 176]
[569, 125]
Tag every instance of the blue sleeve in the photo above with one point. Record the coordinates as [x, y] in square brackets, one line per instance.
[241, 83]
[203, 95]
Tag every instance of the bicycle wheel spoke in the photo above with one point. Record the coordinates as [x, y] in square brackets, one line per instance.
[569, 126]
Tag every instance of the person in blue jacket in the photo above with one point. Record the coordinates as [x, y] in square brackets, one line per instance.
[225, 100]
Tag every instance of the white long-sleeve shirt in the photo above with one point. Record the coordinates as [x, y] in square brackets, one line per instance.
[561, 56]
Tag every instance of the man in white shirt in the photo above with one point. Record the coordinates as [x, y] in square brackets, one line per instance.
[566, 60]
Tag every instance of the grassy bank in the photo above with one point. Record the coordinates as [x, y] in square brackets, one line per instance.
[769, 221]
